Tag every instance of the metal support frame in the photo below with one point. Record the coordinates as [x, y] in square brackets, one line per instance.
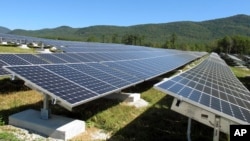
[216, 128]
[189, 129]
[213, 120]
[42, 46]
[45, 111]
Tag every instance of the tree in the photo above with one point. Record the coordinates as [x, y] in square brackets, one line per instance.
[115, 38]
[234, 44]
[92, 39]
[226, 43]
[141, 39]
[103, 38]
[173, 39]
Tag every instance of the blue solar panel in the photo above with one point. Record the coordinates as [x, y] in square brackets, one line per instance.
[32, 58]
[83, 79]
[131, 71]
[118, 73]
[93, 70]
[79, 57]
[105, 77]
[2, 71]
[211, 84]
[51, 58]
[67, 58]
[11, 59]
[60, 87]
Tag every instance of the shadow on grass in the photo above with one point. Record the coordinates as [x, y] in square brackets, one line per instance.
[8, 86]
[161, 124]
[4, 114]
[87, 110]
[245, 81]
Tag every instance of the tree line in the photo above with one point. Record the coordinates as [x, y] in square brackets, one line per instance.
[234, 45]
[229, 44]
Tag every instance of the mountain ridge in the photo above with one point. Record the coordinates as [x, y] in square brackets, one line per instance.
[156, 33]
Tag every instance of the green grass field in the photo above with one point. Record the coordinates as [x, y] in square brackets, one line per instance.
[11, 49]
[124, 123]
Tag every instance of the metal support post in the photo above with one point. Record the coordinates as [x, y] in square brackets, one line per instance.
[189, 129]
[216, 129]
[45, 111]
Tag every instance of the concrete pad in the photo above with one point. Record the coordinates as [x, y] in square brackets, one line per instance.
[57, 127]
[138, 104]
[127, 97]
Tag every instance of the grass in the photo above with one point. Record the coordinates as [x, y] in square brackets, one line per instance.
[12, 49]
[243, 75]
[240, 72]
[8, 136]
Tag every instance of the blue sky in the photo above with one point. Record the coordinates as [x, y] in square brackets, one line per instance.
[39, 14]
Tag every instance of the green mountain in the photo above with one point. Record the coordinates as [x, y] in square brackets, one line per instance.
[186, 31]
[4, 30]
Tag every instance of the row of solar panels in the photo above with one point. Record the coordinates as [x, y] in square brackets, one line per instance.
[28, 59]
[72, 46]
[212, 86]
[75, 83]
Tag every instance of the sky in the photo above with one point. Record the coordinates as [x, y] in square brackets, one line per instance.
[39, 14]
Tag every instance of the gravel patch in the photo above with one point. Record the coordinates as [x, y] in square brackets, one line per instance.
[25, 135]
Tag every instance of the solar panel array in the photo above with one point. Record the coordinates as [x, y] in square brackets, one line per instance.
[72, 46]
[86, 71]
[77, 83]
[212, 86]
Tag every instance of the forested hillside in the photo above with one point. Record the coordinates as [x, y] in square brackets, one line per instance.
[4, 30]
[186, 35]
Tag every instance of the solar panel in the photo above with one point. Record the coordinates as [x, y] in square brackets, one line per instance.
[11, 59]
[59, 87]
[67, 57]
[79, 57]
[2, 71]
[32, 58]
[51, 58]
[105, 77]
[212, 86]
[131, 71]
[117, 73]
[82, 79]
[92, 70]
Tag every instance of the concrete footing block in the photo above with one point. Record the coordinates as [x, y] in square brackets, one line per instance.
[126, 97]
[57, 127]
[130, 99]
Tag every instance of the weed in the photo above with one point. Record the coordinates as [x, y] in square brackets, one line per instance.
[8, 136]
